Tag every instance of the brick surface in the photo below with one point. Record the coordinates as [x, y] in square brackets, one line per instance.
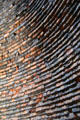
[39, 60]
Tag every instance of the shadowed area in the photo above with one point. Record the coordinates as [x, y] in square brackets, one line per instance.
[39, 60]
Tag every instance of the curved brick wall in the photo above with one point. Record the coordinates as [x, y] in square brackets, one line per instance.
[39, 60]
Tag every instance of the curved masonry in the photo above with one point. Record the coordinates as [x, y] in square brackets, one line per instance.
[39, 60]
